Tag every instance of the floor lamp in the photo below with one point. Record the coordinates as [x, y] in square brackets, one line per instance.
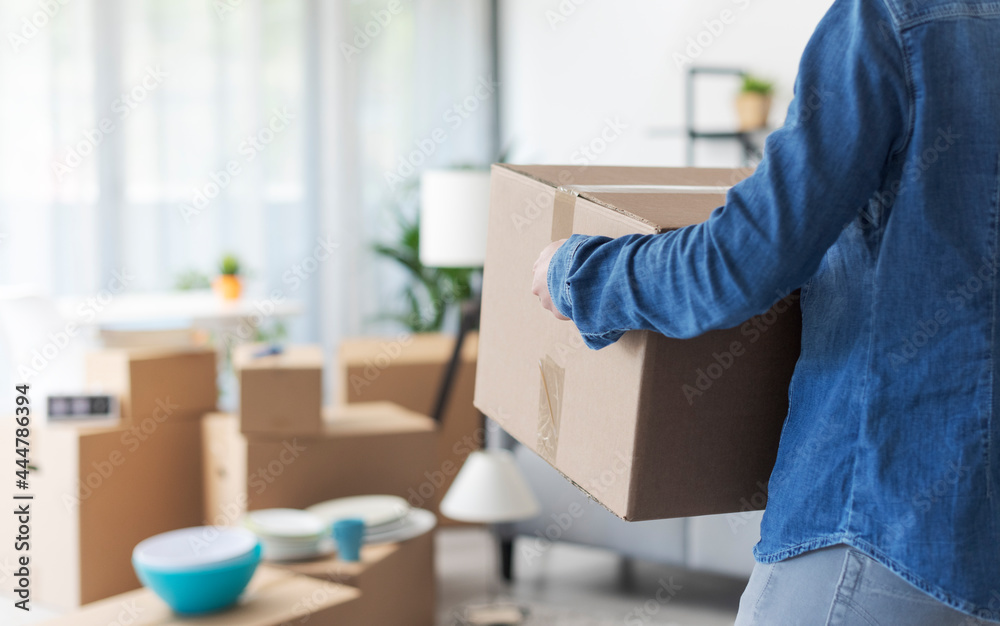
[491, 489]
[454, 211]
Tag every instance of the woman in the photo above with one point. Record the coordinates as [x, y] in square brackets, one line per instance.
[880, 200]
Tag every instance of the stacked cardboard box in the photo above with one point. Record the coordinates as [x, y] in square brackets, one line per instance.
[650, 427]
[396, 580]
[280, 393]
[369, 448]
[273, 598]
[100, 491]
[152, 381]
[407, 370]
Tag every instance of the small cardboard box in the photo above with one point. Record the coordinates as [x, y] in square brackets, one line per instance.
[396, 580]
[273, 598]
[280, 393]
[650, 427]
[99, 492]
[180, 382]
[369, 448]
[407, 370]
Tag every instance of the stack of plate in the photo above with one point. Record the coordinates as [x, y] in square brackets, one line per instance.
[387, 518]
[288, 534]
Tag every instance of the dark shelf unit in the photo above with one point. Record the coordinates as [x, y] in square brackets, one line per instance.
[751, 141]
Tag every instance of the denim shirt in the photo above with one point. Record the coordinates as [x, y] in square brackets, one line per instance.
[879, 199]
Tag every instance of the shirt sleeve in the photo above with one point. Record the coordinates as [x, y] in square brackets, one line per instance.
[851, 114]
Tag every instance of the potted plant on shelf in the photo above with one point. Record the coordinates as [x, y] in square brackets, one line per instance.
[228, 284]
[753, 105]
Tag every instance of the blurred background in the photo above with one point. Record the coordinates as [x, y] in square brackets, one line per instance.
[217, 172]
[116, 116]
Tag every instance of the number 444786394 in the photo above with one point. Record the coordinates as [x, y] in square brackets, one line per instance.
[22, 417]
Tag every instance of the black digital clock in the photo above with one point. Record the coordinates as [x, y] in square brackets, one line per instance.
[82, 408]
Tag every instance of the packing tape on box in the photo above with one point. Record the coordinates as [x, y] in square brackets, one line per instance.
[563, 208]
[564, 204]
[549, 407]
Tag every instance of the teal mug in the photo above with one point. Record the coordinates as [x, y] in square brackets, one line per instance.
[349, 535]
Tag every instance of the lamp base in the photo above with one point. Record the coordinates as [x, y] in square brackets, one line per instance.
[497, 614]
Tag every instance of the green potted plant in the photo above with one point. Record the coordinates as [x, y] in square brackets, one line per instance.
[430, 291]
[753, 104]
[191, 280]
[228, 284]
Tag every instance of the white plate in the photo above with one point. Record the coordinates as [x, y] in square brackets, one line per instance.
[286, 524]
[374, 531]
[419, 522]
[289, 543]
[191, 548]
[381, 528]
[324, 547]
[374, 510]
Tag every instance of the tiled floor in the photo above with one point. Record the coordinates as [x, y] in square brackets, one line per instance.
[584, 586]
[567, 585]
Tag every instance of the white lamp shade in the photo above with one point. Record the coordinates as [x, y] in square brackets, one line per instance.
[454, 211]
[490, 489]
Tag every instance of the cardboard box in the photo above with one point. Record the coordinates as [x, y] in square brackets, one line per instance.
[273, 598]
[99, 492]
[281, 393]
[650, 427]
[370, 448]
[408, 370]
[396, 580]
[160, 338]
[180, 382]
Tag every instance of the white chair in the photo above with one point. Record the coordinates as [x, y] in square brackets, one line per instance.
[43, 348]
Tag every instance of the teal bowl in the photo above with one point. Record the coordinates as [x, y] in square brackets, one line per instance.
[199, 587]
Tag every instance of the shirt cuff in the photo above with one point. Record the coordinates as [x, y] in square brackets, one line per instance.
[596, 341]
[558, 274]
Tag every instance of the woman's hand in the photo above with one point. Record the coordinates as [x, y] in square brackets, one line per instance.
[540, 283]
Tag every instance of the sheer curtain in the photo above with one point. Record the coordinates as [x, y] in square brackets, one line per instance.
[420, 105]
[156, 135]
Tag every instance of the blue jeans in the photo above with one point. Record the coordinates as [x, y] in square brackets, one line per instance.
[839, 585]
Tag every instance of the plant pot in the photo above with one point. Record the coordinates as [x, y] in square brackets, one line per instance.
[228, 287]
[752, 109]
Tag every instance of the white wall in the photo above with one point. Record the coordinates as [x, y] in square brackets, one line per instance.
[567, 65]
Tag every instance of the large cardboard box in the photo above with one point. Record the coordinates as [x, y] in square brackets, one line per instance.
[280, 393]
[273, 598]
[650, 427]
[370, 448]
[180, 382]
[396, 580]
[99, 492]
[407, 370]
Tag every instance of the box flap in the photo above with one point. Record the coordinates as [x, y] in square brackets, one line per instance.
[639, 192]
